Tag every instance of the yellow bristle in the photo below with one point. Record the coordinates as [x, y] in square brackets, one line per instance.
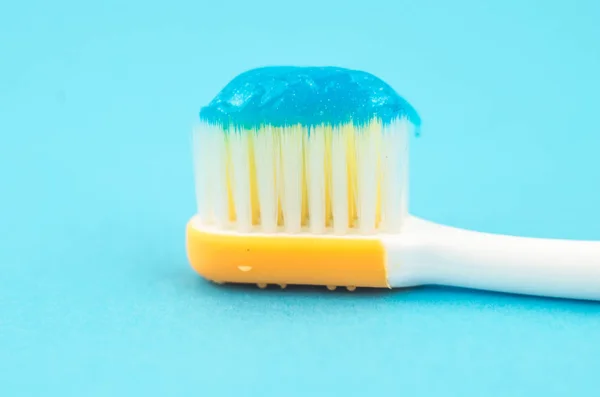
[350, 134]
[228, 167]
[279, 161]
[305, 215]
[379, 177]
[367, 157]
[328, 177]
[255, 205]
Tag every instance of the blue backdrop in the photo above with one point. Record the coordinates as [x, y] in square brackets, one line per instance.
[97, 100]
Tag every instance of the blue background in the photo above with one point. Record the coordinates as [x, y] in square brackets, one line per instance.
[96, 105]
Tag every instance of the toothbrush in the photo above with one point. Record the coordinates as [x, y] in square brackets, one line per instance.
[301, 177]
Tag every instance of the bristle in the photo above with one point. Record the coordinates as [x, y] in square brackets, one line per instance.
[339, 184]
[266, 160]
[327, 179]
[240, 161]
[219, 159]
[291, 183]
[394, 184]
[202, 149]
[315, 154]
[367, 149]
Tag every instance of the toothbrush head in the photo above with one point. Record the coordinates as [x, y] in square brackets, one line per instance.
[301, 178]
[304, 149]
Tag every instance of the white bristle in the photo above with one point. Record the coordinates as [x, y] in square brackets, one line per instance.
[292, 168]
[240, 161]
[339, 182]
[219, 158]
[315, 152]
[203, 148]
[342, 180]
[266, 174]
[394, 176]
[366, 163]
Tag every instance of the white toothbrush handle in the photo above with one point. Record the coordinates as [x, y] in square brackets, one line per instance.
[428, 253]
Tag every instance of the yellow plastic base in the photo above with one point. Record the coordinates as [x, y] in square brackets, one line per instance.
[283, 260]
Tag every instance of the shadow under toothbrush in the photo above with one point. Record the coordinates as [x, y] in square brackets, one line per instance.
[294, 288]
[417, 293]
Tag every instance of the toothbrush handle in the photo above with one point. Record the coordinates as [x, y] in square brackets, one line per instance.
[427, 253]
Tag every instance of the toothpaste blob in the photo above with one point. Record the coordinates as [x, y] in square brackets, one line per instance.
[310, 96]
[304, 149]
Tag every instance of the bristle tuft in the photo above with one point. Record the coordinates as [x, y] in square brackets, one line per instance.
[315, 153]
[240, 169]
[339, 184]
[329, 179]
[267, 158]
